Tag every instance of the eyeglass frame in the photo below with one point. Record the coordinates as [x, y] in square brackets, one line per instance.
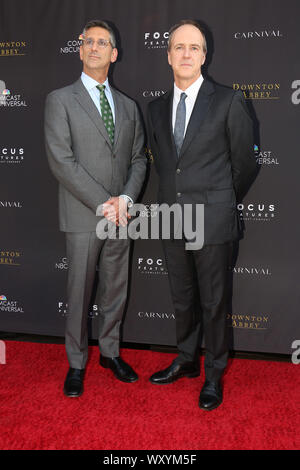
[105, 42]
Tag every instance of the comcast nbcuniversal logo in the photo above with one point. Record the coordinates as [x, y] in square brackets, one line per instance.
[10, 100]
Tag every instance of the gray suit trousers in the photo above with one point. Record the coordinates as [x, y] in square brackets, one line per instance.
[84, 252]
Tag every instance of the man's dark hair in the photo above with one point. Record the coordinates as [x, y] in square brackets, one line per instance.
[193, 23]
[104, 25]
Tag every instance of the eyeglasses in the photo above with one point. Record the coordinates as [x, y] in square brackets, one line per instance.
[89, 42]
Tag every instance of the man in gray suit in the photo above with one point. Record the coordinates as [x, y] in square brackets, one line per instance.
[95, 147]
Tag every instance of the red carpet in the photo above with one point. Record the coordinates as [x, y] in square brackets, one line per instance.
[261, 407]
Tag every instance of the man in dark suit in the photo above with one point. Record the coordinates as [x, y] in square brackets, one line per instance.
[95, 147]
[202, 141]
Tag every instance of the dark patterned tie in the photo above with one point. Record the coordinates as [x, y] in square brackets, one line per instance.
[180, 123]
[106, 113]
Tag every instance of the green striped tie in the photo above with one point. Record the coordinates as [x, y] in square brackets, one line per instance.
[106, 113]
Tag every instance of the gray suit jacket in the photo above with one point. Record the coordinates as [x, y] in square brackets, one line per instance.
[88, 168]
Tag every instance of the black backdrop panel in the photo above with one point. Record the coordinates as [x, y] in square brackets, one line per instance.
[253, 46]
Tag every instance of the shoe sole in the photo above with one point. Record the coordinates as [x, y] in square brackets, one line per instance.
[192, 375]
[119, 378]
[73, 396]
[211, 408]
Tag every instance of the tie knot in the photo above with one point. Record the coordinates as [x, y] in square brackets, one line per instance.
[183, 96]
[101, 87]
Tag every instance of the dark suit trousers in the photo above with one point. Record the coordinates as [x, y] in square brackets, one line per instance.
[84, 252]
[200, 275]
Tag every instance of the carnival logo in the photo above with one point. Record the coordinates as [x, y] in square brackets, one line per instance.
[296, 94]
[11, 155]
[258, 91]
[10, 258]
[264, 34]
[248, 322]
[9, 100]
[12, 48]
[10, 306]
[252, 271]
[153, 93]
[10, 205]
[256, 211]
[71, 46]
[265, 157]
[156, 316]
[153, 266]
[156, 40]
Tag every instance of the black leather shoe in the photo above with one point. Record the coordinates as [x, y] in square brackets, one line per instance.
[174, 372]
[122, 371]
[73, 386]
[210, 396]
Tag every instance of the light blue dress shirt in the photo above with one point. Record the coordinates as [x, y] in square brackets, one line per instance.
[91, 84]
[91, 87]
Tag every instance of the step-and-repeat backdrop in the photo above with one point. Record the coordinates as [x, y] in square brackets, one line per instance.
[253, 47]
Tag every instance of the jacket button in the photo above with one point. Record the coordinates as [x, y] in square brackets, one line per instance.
[179, 194]
[178, 171]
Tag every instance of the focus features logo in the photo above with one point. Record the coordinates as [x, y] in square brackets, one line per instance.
[257, 212]
[11, 155]
[151, 266]
[157, 40]
[296, 94]
[63, 310]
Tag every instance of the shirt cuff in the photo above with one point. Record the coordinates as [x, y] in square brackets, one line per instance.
[127, 198]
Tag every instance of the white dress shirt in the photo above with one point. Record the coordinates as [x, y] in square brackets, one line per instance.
[191, 92]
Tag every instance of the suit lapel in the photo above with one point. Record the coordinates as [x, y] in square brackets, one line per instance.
[201, 107]
[166, 120]
[83, 97]
[119, 113]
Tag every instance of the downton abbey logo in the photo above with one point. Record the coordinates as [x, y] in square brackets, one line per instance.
[258, 91]
[248, 322]
[10, 258]
[12, 48]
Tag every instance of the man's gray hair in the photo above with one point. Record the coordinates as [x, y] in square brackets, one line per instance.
[104, 25]
[182, 23]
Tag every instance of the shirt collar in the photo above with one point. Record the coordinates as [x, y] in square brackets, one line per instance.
[191, 91]
[90, 83]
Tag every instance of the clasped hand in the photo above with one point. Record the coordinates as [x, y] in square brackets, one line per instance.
[115, 210]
